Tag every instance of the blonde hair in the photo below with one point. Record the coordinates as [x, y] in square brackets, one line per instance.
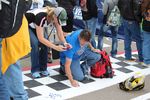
[50, 12]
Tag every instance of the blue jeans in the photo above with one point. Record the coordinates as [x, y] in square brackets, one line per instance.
[100, 36]
[79, 70]
[4, 95]
[132, 31]
[39, 54]
[14, 82]
[101, 25]
[114, 31]
[100, 16]
[146, 47]
[91, 26]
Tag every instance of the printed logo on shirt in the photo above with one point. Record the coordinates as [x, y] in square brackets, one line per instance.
[81, 51]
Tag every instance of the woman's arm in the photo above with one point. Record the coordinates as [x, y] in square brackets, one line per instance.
[59, 30]
[40, 35]
[60, 33]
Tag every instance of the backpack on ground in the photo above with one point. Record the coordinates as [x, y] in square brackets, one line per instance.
[11, 14]
[103, 68]
[114, 17]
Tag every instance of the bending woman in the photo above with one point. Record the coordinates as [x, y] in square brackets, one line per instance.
[38, 19]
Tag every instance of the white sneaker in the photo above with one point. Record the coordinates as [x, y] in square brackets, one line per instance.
[45, 73]
[36, 75]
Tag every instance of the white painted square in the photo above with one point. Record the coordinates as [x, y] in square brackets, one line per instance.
[53, 67]
[116, 66]
[25, 87]
[131, 63]
[106, 45]
[118, 73]
[43, 90]
[133, 68]
[52, 72]
[67, 82]
[45, 80]
[45, 97]
[113, 60]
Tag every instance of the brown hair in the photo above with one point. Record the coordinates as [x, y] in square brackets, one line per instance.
[145, 6]
[86, 35]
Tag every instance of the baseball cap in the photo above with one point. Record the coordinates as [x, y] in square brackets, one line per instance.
[61, 15]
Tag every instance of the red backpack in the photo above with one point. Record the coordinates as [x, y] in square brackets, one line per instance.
[103, 68]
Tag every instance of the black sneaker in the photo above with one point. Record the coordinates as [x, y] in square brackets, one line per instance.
[85, 80]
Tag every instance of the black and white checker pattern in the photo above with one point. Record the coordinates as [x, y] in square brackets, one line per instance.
[58, 87]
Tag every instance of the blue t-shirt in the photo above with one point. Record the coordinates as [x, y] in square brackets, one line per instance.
[76, 50]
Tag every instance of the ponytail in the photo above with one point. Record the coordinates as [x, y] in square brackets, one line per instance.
[50, 12]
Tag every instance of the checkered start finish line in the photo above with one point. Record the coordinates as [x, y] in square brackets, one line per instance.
[58, 87]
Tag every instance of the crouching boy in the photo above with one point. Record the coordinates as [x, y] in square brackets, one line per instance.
[81, 50]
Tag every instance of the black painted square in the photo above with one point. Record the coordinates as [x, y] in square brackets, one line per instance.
[32, 93]
[123, 64]
[120, 58]
[125, 70]
[60, 77]
[32, 83]
[86, 80]
[140, 66]
[58, 86]
[28, 75]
